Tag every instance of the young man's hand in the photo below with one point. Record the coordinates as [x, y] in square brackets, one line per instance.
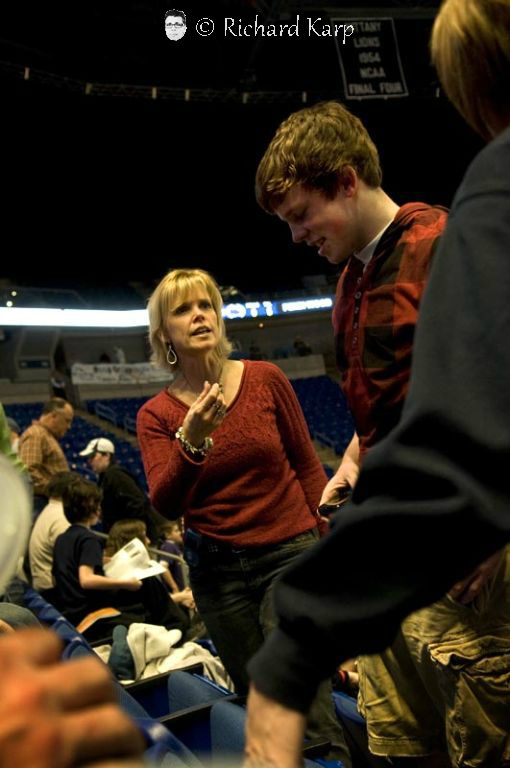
[465, 591]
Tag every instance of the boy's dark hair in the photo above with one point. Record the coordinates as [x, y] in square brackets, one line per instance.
[81, 499]
[58, 482]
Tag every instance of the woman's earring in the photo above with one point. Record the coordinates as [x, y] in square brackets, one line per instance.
[171, 357]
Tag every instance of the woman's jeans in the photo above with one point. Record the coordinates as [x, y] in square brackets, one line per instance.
[233, 591]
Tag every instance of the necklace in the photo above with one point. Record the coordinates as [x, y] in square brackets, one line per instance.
[194, 391]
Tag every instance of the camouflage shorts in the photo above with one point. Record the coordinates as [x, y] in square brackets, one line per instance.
[444, 684]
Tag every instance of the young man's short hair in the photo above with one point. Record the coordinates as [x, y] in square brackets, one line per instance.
[312, 147]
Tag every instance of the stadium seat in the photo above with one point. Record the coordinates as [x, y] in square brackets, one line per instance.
[227, 736]
[190, 698]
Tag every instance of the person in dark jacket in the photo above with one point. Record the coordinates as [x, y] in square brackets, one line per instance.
[123, 497]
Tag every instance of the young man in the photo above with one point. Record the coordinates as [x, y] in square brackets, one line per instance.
[321, 175]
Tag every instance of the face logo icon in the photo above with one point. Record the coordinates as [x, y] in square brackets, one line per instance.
[175, 25]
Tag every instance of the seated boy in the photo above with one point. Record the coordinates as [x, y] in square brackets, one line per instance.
[78, 563]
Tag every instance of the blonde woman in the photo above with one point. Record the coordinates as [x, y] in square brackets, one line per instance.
[227, 444]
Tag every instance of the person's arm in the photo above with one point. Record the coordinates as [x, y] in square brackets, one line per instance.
[346, 475]
[171, 473]
[169, 580]
[31, 453]
[180, 597]
[90, 580]
[465, 590]
[432, 499]
[59, 714]
[274, 734]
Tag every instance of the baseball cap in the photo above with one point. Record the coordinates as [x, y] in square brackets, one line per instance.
[98, 445]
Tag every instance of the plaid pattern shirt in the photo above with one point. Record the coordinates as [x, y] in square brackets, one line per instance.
[42, 455]
[375, 315]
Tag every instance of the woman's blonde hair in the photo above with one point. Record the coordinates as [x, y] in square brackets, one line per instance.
[123, 531]
[470, 48]
[173, 289]
[312, 147]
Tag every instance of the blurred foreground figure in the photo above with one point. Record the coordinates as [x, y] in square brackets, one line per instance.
[55, 714]
[52, 714]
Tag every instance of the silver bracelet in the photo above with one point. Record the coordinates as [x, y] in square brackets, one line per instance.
[201, 451]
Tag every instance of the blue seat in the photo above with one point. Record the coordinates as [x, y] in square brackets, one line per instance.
[187, 690]
[227, 729]
[227, 735]
[190, 697]
[164, 747]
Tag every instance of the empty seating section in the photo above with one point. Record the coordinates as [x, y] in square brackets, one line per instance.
[120, 411]
[23, 413]
[326, 412]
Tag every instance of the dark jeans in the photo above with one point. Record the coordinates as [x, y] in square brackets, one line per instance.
[233, 594]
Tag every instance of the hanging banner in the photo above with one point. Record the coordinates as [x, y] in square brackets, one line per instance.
[370, 61]
[106, 373]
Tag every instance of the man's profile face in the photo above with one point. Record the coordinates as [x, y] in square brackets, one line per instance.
[60, 420]
[329, 225]
[175, 27]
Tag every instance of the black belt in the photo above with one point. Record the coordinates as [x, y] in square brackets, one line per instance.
[201, 543]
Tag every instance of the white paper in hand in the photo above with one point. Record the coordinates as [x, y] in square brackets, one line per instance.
[132, 562]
